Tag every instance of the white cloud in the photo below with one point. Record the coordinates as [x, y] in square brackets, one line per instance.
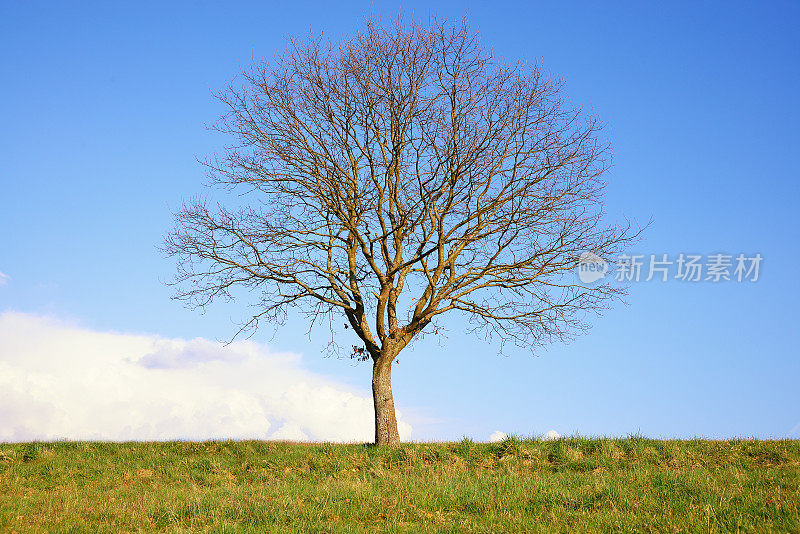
[59, 381]
[497, 436]
[290, 431]
[552, 434]
[4, 278]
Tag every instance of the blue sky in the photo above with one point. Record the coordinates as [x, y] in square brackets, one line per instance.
[104, 107]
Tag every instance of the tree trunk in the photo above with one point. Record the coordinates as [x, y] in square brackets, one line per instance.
[385, 419]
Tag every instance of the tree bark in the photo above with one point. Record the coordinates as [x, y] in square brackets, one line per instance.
[385, 418]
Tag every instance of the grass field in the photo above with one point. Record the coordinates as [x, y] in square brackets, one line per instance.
[573, 484]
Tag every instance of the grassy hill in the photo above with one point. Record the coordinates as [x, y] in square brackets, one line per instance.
[573, 484]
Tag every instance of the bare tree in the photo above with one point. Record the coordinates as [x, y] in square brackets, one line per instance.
[403, 173]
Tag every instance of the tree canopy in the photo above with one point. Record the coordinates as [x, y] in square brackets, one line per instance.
[399, 174]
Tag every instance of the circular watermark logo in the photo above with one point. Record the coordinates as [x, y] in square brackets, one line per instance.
[591, 267]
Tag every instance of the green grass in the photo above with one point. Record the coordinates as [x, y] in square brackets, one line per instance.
[574, 484]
